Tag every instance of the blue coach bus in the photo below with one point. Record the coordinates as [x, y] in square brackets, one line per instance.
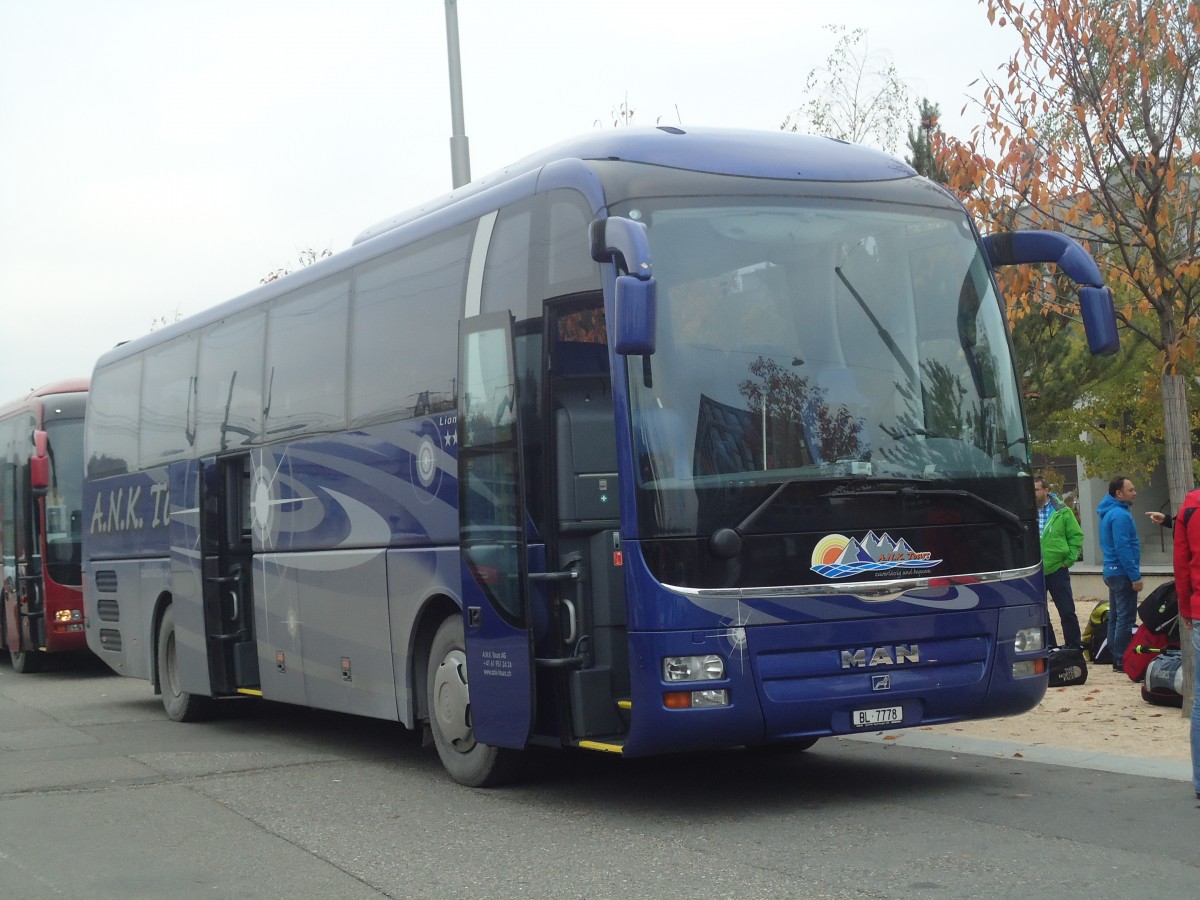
[658, 440]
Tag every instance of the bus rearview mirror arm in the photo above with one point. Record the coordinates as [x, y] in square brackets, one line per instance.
[623, 242]
[1095, 300]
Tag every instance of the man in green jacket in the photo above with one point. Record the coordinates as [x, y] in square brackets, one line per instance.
[1062, 539]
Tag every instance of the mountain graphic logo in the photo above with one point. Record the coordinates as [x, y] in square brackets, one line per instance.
[838, 556]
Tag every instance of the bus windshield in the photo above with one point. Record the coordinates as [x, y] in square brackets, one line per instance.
[64, 500]
[807, 340]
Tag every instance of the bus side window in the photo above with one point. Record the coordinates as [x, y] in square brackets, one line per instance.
[306, 360]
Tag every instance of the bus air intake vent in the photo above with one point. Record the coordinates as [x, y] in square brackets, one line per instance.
[108, 610]
[110, 639]
[106, 581]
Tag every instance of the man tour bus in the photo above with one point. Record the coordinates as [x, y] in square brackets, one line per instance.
[658, 440]
[41, 523]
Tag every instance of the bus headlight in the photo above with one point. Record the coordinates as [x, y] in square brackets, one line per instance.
[693, 668]
[1028, 640]
[68, 615]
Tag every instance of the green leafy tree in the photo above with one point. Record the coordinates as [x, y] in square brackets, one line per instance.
[1094, 127]
[920, 141]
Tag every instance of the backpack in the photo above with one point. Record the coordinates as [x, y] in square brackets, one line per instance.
[1160, 610]
[1164, 679]
[1145, 646]
[1095, 635]
[1067, 666]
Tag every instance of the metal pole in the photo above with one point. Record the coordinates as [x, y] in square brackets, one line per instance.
[460, 154]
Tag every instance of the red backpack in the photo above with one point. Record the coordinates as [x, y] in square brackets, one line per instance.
[1143, 647]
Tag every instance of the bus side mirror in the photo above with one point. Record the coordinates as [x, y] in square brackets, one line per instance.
[1099, 320]
[1095, 300]
[634, 312]
[39, 463]
[623, 241]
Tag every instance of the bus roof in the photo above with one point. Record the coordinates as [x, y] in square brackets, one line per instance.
[66, 386]
[756, 154]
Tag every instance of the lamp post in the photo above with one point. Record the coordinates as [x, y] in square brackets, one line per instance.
[460, 155]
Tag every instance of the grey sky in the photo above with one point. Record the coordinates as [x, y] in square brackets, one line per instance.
[162, 157]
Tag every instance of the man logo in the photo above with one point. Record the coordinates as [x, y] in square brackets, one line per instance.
[881, 656]
[881, 682]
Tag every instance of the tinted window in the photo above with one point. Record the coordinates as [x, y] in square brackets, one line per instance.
[168, 402]
[64, 500]
[229, 394]
[14, 442]
[112, 420]
[305, 376]
[570, 267]
[506, 274]
[404, 330]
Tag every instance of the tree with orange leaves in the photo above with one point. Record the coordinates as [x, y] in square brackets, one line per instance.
[1093, 127]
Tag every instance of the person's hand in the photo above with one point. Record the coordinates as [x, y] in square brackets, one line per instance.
[1187, 623]
[1137, 586]
[1156, 517]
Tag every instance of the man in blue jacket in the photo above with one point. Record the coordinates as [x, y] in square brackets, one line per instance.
[1122, 563]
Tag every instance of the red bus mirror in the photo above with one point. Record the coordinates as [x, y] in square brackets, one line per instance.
[39, 462]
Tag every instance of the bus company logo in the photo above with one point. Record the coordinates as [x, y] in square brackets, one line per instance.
[870, 657]
[838, 556]
[127, 509]
[426, 461]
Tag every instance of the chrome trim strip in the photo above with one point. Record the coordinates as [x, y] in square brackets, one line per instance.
[479, 248]
[867, 590]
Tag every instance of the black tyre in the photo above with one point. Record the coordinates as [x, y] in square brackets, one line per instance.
[27, 661]
[179, 704]
[468, 761]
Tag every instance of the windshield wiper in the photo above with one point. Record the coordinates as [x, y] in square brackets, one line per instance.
[884, 334]
[1007, 517]
[726, 543]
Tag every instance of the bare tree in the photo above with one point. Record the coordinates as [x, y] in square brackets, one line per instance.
[305, 257]
[856, 96]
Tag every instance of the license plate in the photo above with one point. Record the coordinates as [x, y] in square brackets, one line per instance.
[884, 715]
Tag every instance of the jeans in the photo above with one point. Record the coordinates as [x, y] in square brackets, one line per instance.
[1059, 585]
[1196, 708]
[1122, 610]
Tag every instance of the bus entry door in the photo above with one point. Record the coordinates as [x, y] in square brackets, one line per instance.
[492, 518]
[225, 539]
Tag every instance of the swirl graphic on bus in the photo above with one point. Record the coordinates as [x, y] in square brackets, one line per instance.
[838, 556]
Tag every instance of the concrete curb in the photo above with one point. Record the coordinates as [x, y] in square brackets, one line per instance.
[1174, 770]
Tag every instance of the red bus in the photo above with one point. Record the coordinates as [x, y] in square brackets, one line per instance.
[41, 523]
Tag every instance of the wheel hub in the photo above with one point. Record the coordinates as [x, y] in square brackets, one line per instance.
[452, 701]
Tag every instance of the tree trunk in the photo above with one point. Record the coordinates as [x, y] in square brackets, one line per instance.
[1178, 439]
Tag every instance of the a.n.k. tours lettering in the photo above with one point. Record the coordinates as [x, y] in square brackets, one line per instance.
[119, 509]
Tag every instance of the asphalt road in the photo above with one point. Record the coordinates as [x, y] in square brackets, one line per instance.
[102, 797]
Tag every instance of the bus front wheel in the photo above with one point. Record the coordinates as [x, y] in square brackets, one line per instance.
[180, 705]
[447, 692]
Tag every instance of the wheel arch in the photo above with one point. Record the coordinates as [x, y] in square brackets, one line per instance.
[437, 609]
[161, 603]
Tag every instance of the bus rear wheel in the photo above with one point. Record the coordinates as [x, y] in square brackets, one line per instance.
[180, 705]
[26, 661]
[449, 700]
